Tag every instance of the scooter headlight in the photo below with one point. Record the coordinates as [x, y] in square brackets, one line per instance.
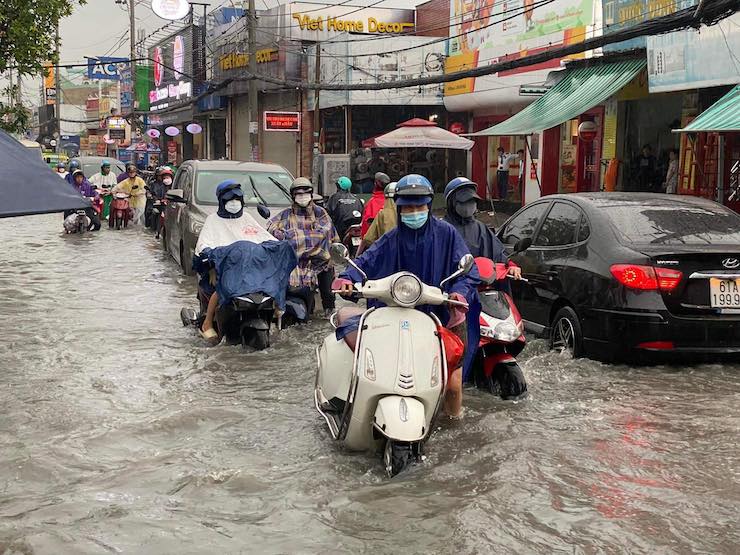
[406, 290]
[506, 331]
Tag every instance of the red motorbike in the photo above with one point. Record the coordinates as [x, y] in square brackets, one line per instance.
[120, 211]
[495, 368]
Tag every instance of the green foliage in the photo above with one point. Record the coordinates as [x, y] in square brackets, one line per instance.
[27, 40]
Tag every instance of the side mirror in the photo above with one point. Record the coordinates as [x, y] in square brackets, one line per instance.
[466, 263]
[522, 245]
[338, 253]
[175, 195]
[263, 211]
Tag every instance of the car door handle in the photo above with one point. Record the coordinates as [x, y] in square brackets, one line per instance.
[552, 274]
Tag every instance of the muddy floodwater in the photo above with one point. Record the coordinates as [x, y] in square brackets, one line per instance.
[120, 432]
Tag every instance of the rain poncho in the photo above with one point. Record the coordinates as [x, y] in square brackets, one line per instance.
[218, 232]
[341, 208]
[482, 242]
[386, 220]
[372, 207]
[245, 267]
[432, 253]
[135, 188]
[310, 231]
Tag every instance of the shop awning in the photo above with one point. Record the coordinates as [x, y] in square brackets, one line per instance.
[723, 115]
[580, 90]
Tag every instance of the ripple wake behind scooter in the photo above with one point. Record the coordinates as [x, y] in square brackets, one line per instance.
[385, 392]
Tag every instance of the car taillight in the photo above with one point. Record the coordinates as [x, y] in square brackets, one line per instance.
[668, 279]
[646, 278]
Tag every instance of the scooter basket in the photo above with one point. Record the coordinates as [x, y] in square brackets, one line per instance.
[454, 348]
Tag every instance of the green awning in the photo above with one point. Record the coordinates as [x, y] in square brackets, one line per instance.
[579, 91]
[723, 115]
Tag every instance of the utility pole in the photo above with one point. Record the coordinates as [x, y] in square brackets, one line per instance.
[57, 94]
[132, 61]
[253, 112]
[316, 120]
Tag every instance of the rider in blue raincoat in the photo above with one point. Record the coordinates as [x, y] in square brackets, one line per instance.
[429, 248]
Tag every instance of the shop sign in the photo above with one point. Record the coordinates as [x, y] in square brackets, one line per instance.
[335, 24]
[621, 14]
[306, 21]
[171, 9]
[116, 127]
[235, 60]
[282, 121]
[158, 66]
[172, 152]
[176, 91]
[178, 55]
[50, 91]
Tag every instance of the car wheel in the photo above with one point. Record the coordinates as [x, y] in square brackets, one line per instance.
[565, 333]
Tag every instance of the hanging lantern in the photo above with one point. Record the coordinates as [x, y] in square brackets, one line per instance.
[587, 131]
[153, 133]
[172, 131]
[194, 128]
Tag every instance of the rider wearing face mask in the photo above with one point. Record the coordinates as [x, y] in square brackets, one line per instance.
[429, 248]
[231, 223]
[462, 204]
[156, 189]
[309, 229]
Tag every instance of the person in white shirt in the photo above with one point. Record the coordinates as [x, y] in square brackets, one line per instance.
[104, 181]
[62, 170]
[503, 163]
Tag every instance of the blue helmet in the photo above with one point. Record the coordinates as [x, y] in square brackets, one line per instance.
[461, 183]
[413, 190]
[229, 189]
[74, 165]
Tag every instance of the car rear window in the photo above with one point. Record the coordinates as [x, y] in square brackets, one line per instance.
[265, 186]
[675, 224]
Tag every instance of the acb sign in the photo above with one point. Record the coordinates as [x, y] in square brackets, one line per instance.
[105, 68]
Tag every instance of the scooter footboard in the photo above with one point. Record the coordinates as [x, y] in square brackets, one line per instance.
[400, 418]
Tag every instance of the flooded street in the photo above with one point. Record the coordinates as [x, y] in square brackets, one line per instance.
[120, 432]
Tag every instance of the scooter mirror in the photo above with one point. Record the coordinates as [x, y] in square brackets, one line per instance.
[466, 263]
[522, 245]
[263, 211]
[339, 253]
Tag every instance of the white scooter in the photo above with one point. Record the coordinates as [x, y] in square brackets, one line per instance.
[386, 394]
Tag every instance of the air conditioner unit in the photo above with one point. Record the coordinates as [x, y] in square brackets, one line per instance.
[331, 168]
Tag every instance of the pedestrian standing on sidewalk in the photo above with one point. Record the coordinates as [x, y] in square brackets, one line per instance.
[671, 177]
[503, 161]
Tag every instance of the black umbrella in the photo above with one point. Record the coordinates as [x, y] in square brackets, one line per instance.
[28, 186]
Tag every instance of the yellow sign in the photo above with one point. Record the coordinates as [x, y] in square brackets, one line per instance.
[371, 25]
[610, 130]
[635, 89]
[234, 60]
[463, 61]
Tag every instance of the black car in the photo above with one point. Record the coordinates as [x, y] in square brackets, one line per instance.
[618, 275]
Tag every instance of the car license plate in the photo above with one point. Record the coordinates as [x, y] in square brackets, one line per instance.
[355, 241]
[724, 293]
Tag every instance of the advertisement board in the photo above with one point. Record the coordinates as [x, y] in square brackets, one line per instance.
[418, 57]
[488, 31]
[282, 121]
[116, 127]
[50, 90]
[172, 71]
[105, 68]
[694, 59]
[620, 14]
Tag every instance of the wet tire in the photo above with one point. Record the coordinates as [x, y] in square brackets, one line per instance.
[186, 268]
[510, 381]
[396, 457]
[565, 333]
[256, 339]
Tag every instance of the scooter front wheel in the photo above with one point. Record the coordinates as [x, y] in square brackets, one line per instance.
[396, 457]
[509, 381]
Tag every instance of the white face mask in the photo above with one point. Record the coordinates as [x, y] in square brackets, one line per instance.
[233, 206]
[167, 181]
[303, 199]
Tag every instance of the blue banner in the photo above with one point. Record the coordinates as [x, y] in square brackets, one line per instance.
[105, 68]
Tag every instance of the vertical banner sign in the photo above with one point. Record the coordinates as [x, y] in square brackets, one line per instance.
[50, 90]
[127, 88]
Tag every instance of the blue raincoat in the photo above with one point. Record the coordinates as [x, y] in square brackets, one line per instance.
[245, 267]
[432, 253]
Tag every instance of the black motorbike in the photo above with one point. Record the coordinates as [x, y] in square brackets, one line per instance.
[243, 320]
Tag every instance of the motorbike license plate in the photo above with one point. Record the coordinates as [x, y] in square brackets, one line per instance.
[355, 241]
[724, 293]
